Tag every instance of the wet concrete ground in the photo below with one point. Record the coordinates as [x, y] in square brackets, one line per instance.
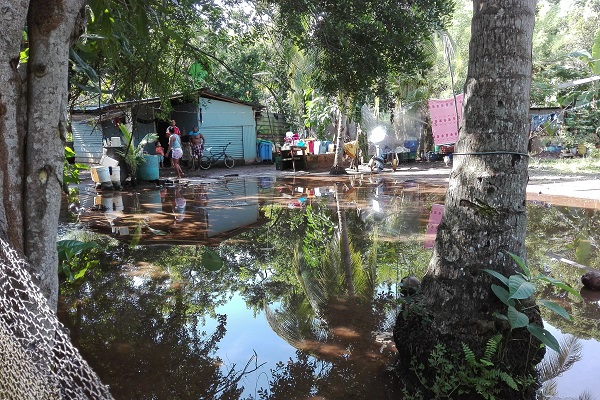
[581, 189]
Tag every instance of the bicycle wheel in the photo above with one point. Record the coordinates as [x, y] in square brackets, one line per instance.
[205, 163]
[229, 161]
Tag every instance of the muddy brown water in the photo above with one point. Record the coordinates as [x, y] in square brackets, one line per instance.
[233, 288]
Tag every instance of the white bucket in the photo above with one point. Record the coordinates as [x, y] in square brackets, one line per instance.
[118, 202]
[115, 175]
[107, 201]
[115, 141]
[100, 174]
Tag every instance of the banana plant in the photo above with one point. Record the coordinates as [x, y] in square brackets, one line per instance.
[134, 156]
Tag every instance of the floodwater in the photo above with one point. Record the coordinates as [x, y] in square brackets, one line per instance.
[235, 289]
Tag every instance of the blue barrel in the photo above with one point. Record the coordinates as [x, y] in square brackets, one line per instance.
[411, 144]
[264, 151]
[148, 171]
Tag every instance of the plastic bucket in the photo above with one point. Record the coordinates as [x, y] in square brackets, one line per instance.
[150, 201]
[118, 202]
[115, 175]
[148, 171]
[100, 174]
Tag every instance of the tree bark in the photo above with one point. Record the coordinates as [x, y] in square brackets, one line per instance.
[337, 168]
[33, 111]
[12, 129]
[484, 215]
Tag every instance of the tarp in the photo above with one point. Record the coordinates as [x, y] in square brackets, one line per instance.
[351, 148]
[444, 124]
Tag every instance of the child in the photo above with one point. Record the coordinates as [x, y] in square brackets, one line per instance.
[160, 152]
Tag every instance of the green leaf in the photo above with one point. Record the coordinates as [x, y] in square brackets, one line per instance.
[560, 285]
[521, 263]
[519, 287]
[501, 316]
[555, 308]
[69, 152]
[211, 260]
[69, 248]
[544, 336]
[497, 275]
[516, 318]
[501, 294]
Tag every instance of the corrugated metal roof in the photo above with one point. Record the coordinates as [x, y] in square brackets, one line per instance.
[202, 93]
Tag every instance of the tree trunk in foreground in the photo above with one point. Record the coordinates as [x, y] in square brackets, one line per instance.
[32, 126]
[484, 215]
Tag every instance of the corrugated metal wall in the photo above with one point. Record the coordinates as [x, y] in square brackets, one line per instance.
[87, 141]
[217, 136]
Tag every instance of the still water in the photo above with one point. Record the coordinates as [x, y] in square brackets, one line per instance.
[236, 289]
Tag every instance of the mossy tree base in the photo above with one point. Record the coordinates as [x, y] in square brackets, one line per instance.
[417, 332]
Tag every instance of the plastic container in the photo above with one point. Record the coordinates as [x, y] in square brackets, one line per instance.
[264, 151]
[115, 141]
[150, 201]
[411, 144]
[115, 175]
[148, 171]
[108, 161]
[100, 174]
[118, 202]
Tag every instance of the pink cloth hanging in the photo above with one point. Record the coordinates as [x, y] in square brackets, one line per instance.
[435, 217]
[444, 125]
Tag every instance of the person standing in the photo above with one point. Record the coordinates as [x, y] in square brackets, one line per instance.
[176, 151]
[173, 129]
[160, 152]
[197, 141]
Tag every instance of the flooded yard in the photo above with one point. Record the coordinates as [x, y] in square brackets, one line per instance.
[241, 288]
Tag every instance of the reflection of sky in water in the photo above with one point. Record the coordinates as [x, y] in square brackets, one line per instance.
[583, 375]
[245, 335]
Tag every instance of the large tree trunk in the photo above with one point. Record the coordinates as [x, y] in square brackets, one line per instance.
[32, 129]
[338, 168]
[484, 215]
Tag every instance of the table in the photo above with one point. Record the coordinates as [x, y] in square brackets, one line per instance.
[294, 156]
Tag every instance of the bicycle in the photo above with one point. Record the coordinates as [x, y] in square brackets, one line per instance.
[208, 161]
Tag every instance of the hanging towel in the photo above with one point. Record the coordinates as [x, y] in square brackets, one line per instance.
[444, 125]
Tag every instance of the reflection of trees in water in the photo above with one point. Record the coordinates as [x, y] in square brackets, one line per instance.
[555, 364]
[139, 333]
[562, 230]
[332, 315]
[573, 233]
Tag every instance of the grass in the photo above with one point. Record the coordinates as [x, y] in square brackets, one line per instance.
[590, 164]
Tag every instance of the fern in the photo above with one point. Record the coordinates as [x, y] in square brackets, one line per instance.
[469, 355]
[467, 375]
[491, 347]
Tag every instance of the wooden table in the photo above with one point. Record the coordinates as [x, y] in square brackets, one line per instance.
[294, 156]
